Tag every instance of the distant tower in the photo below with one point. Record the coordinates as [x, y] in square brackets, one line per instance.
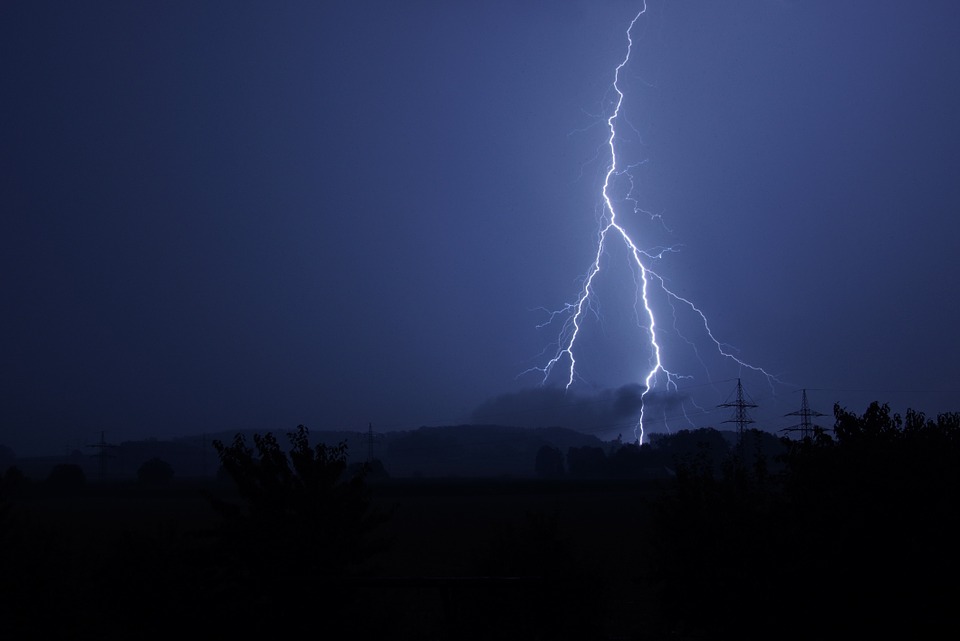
[203, 454]
[740, 416]
[805, 426]
[103, 449]
[369, 442]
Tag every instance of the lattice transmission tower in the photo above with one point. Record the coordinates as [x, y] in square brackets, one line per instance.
[805, 426]
[740, 416]
[103, 453]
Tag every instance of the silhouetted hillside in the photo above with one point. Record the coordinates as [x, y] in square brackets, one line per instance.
[464, 451]
[188, 457]
[446, 451]
[475, 450]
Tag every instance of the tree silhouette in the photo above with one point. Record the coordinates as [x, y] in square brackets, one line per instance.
[7, 458]
[299, 525]
[699, 451]
[632, 461]
[66, 477]
[303, 493]
[587, 462]
[860, 529]
[155, 472]
[549, 462]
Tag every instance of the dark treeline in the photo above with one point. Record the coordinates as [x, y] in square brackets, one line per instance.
[850, 533]
[706, 449]
[855, 537]
[463, 451]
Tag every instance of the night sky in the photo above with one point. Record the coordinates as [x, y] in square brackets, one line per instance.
[252, 215]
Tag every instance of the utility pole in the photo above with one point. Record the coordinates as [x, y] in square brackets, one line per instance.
[103, 447]
[203, 454]
[805, 426]
[369, 442]
[740, 415]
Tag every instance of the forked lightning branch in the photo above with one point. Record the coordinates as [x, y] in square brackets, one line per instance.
[655, 371]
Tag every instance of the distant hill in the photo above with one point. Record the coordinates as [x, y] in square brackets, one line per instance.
[464, 451]
[447, 451]
[474, 450]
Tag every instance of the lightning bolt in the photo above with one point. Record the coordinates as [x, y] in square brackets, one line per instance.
[612, 231]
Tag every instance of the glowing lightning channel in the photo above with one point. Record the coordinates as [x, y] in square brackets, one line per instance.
[576, 311]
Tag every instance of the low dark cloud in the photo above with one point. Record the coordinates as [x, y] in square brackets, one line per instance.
[598, 412]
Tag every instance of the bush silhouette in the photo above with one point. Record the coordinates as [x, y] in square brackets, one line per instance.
[549, 462]
[867, 516]
[155, 472]
[586, 462]
[66, 477]
[299, 524]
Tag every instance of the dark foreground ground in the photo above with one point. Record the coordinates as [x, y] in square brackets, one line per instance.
[452, 559]
[478, 559]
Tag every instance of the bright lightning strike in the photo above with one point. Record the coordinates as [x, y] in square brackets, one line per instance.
[612, 231]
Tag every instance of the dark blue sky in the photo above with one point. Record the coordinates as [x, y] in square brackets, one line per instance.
[231, 215]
